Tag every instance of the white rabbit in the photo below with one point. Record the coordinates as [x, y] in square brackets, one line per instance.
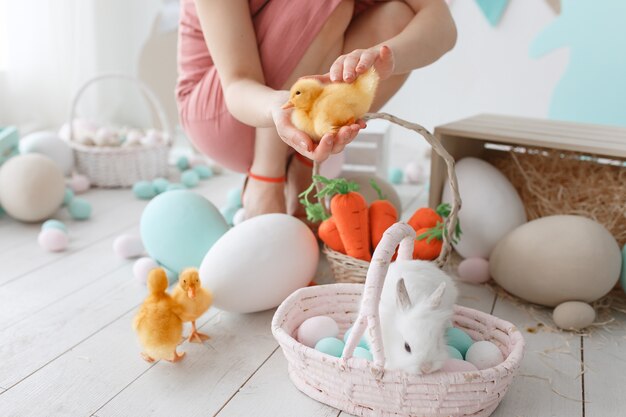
[415, 311]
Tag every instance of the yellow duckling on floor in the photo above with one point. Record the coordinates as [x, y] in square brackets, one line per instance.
[194, 300]
[157, 323]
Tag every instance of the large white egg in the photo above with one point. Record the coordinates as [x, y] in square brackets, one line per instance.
[555, 259]
[491, 207]
[50, 145]
[256, 265]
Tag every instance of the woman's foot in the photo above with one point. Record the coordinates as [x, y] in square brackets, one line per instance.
[299, 173]
[263, 195]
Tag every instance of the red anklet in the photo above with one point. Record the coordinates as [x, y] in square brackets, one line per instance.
[266, 179]
[306, 161]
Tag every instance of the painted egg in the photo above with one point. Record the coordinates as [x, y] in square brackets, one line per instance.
[50, 145]
[106, 137]
[79, 209]
[54, 224]
[190, 178]
[144, 190]
[203, 171]
[483, 355]
[416, 172]
[316, 328]
[362, 343]
[142, 267]
[395, 176]
[151, 138]
[257, 264]
[79, 183]
[454, 353]
[182, 163]
[573, 315]
[457, 365]
[84, 131]
[68, 196]
[557, 258]
[458, 339]
[128, 246]
[32, 187]
[330, 346]
[53, 240]
[370, 194]
[360, 352]
[491, 207]
[160, 185]
[133, 137]
[474, 270]
[179, 227]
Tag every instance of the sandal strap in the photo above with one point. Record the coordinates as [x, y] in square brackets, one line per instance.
[266, 179]
[306, 161]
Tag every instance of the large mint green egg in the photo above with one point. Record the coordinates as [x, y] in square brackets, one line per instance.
[458, 339]
[179, 227]
[330, 346]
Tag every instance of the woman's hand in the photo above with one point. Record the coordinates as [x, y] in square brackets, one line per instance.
[347, 67]
[302, 143]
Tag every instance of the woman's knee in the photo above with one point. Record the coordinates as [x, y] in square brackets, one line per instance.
[392, 18]
[338, 22]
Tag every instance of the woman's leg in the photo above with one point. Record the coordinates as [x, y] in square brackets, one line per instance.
[270, 152]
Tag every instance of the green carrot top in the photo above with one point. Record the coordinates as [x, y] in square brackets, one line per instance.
[335, 186]
[376, 188]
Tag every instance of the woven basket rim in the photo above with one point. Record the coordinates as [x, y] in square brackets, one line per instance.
[512, 361]
[102, 150]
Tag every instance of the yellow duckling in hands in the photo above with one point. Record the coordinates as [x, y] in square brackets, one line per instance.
[157, 323]
[194, 300]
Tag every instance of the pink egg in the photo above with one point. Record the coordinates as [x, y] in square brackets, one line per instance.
[142, 267]
[128, 246]
[79, 183]
[474, 270]
[53, 240]
[315, 329]
[484, 355]
[415, 172]
[457, 365]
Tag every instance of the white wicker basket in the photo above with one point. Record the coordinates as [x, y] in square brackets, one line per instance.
[117, 166]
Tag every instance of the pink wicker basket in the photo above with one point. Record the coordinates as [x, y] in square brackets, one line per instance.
[365, 388]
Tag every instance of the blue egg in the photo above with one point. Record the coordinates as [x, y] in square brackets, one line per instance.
[330, 346]
[234, 197]
[179, 227]
[454, 353]
[622, 278]
[458, 339]
[360, 352]
[79, 209]
[1, 211]
[172, 276]
[362, 343]
[190, 178]
[395, 175]
[143, 190]
[68, 196]
[54, 224]
[160, 185]
[182, 163]
[229, 214]
[203, 171]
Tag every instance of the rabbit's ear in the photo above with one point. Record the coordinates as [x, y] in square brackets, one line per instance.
[434, 300]
[402, 296]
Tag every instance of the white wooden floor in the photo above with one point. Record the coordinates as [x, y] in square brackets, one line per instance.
[67, 348]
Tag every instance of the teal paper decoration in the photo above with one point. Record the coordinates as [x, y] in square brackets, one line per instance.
[493, 9]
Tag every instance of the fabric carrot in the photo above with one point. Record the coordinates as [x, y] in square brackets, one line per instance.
[329, 234]
[382, 214]
[428, 244]
[424, 218]
[349, 210]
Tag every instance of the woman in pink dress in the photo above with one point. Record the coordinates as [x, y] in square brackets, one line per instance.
[238, 58]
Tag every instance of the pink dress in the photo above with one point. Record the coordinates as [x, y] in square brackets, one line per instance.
[284, 30]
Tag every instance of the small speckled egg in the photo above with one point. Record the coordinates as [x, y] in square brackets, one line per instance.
[330, 346]
[234, 197]
[573, 315]
[458, 339]
[362, 343]
[133, 138]
[484, 355]
[53, 240]
[175, 186]
[457, 365]
[190, 178]
[142, 267]
[128, 246]
[395, 175]
[143, 190]
[68, 196]
[54, 224]
[415, 172]
[79, 209]
[160, 185]
[454, 353]
[106, 137]
[474, 270]
[203, 171]
[182, 163]
[316, 328]
[360, 352]
[240, 216]
[79, 183]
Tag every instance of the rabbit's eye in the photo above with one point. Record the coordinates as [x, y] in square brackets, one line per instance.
[297, 93]
[407, 347]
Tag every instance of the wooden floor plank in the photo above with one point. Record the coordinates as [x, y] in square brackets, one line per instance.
[605, 370]
[270, 393]
[206, 378]
[548, 383]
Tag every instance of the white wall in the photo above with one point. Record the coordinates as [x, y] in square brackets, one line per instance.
[489, 71]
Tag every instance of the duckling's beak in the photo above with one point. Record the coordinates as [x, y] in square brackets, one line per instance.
[287, 105]
[191, 292]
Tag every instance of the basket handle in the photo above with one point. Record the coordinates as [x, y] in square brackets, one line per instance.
[147, 92]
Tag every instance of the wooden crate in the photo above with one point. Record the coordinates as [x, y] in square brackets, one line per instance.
[482, 135]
